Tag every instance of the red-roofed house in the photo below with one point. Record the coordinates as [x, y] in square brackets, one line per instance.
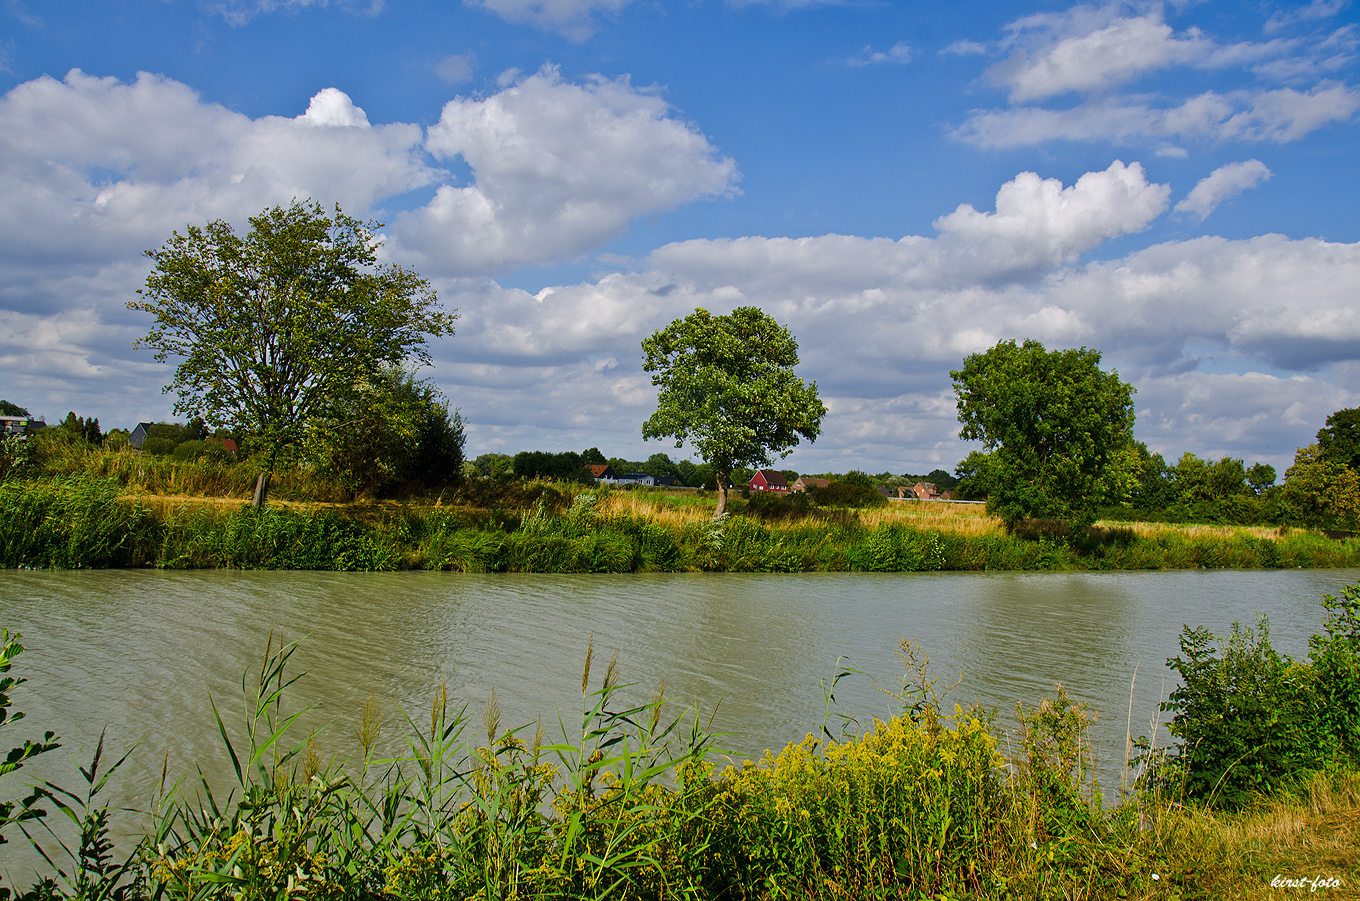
[806, 482]
[769, 480]
[228, 444]
[602, 472]
[925, 491]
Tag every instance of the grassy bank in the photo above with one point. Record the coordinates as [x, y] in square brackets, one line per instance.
[85, 521]
[621, 799]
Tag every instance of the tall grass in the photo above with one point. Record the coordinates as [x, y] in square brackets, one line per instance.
[71, 523]
[135, 471]
[79, 521]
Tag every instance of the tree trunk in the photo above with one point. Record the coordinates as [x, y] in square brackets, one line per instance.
[722, 494]
[261, 491]
[262, 482]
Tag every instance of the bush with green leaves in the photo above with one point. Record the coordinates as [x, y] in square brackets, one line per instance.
[1249, 718]
[847, 494]
[397, 431]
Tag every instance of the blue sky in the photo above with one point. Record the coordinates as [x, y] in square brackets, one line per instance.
[901, 184]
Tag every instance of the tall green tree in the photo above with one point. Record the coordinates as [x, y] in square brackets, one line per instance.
[1339, 439]
[1321, 493]
[277, 327]
[728, 388]
[1059, 430]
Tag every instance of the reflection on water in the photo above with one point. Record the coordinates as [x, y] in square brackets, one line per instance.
[140, 652]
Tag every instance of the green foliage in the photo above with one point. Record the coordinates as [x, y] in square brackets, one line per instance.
[564, 467]
[1339, 439]
[495, 466]
[80, 428]
[894, 549]
[19, 456]
[1058, 427]
[162, 438]
[510, 525]
[1260, 477]
[8, 408]
[1334, 658]
[274, 329]
[974, 476]
[769, 505]
[856, 477]
[848, 494]
[1250, 718]
[1321, 493]
[28, 807]
[395, 432]
[70, 524]
[620, 799]
[727, 386]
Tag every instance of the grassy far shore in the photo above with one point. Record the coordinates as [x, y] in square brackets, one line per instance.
[162, 514]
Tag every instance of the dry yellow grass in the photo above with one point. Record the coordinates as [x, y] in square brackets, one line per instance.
[1314, 835]
[966, 519]
[660, 508]
[1154, 529]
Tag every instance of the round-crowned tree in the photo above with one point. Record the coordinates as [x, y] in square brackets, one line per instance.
[283, 325]
[728, 388]
[1059, 430]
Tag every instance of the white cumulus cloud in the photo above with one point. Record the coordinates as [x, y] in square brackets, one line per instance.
[558, 168]
[94, 169]
[1039, 223]
[1277, 116]
[1237, 347]
[332, 106]
[1100, 52]
[1098, 59]
[1222, 184]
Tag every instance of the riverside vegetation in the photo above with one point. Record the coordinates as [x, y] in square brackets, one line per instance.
[622, 799]
[83, 506]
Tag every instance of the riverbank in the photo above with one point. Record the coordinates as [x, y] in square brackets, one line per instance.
[79, 521]
[626, 798]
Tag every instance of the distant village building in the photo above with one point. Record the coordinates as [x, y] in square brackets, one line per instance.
[228, 444]
[602, 473]
[925, 491]
[139, 435]
[806, 482]
[769, 480]
[637, 478]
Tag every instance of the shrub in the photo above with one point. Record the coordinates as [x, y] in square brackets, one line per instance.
[1250, 718]
[848, 494]
[776, 506]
